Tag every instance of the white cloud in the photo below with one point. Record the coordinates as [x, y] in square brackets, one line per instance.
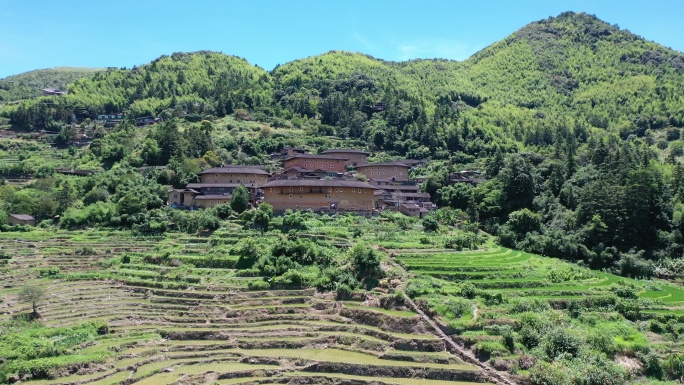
[433, 48]
[365, 42]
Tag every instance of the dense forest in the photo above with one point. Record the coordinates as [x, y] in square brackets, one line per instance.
[575, 124]
[29, 84]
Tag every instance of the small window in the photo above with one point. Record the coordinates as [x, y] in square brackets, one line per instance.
[330, 189]
[290, 196]
[353, 190]
[301, 189]
[290, 189]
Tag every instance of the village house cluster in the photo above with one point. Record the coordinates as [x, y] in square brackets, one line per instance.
[334, 180]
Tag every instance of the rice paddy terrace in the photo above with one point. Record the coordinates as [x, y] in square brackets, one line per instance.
[499, 288]
[194, 321]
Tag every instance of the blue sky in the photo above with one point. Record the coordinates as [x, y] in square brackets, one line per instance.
[123, 33]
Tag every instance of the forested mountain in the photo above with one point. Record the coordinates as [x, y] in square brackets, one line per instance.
[570, 70]
[575, 122]
[29, 84]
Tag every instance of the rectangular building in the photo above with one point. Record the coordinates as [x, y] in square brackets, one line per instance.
[354, 157]
[250, 176]
[329, 163]
[21, 219]
[323, 194]
[394, 171]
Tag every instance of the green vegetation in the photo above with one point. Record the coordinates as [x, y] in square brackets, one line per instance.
[32, 295]
[522, 311]
[30, 84]
[261, 301]
[239, 301]
[588, 152]
[549, 268]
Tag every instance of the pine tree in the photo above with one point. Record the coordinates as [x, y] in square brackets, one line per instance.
[240, 199]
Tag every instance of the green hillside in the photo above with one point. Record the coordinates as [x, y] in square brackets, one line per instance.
[552, 268]
[29, 84]
[561, 115]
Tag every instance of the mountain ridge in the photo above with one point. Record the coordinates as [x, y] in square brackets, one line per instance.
[573, 65]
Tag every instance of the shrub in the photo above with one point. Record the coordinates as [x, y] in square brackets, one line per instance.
[623, 291]
[629, 308]
[453, 307]
[529, 336]
[673, 366]
[258, 285]
[430, 224]
[365, 262]
[294, 221]
[48, 272]
[468, 290]
[535, 305]
[635, 266]
[493, 298]
[603, 342]
[463, 239]
[249, 251]
[550, 374]
[652, 366]
[508, 340]
[490, 349]
[559, 342]
[99, 213]
[223, 211]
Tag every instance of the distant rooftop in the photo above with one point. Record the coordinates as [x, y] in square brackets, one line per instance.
[22, 217]
[311, 156]
[396, 163]
[318, 183]
[345, 150]
[236, 169]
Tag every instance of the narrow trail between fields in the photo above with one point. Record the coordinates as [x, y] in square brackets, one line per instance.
[465, 354]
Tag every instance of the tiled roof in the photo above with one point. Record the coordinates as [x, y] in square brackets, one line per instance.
[217, 185]
[344, 150]
[22, 217]
[311, 156]
[412, 161]
[318, 183]
[236, 170]
[209, 197]
[399, 187]
[411, 195]
[389, 164]
[302, 169]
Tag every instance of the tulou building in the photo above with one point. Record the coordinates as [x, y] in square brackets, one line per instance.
[320, 195]
[217, 184]
[324, 182]
[393, 171]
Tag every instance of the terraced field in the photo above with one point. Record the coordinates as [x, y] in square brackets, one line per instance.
[521, 274]
[503, 288]
[194, 321]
